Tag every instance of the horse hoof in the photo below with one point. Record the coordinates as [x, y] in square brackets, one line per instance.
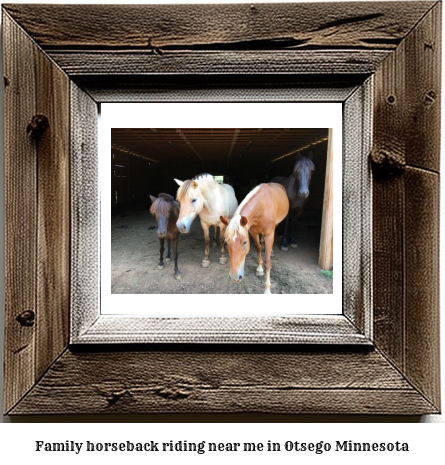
[161, 267]
[168, 259]
[284, 249]
[259, 273]
[294, 246]
[178, 276]
[223, 260]
[205, 263]
[267, 291]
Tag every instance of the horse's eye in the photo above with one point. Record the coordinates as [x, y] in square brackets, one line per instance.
[245, 242]
[194, 200]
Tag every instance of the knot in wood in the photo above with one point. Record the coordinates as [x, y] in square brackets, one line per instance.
[387, 163]
[37, 126]
[391, 99]
[173, 393]
[26, 318]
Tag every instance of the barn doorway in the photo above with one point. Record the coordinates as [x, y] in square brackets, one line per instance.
[145, 161]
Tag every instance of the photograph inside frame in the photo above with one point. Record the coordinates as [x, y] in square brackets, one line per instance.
[221, 209]
[251, 223]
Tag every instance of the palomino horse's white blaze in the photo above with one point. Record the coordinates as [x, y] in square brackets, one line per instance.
[202, 196]
[259, 213]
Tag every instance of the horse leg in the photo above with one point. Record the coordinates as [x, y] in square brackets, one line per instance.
[215, 233]
[293, 242]
[267, 261]
[223, 258]
[168, 257]
[206, 262]
[284, 246]
[259, 271]
[175, 257]
[161, 261]
[262, 241]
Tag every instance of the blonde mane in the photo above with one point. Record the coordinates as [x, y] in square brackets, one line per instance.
[185, 186]
[234, 228]
[183, 189]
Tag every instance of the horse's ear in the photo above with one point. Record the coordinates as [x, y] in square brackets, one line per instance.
[224, 221]
[178, 182]
[194, 184]
[153, 199]
[310, 155]
[298, 156]
[243, 221]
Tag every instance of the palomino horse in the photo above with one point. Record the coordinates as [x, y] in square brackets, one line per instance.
[166, 211]
[203, 196]
[259, 213]
[297, 189]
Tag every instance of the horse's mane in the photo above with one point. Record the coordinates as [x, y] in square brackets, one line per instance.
[234, 226]
[183, 189]
[185, 186]
[203, 176]
[303, 163]
[161, 206]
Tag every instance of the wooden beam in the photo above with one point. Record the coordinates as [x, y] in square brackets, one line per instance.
[327, 223]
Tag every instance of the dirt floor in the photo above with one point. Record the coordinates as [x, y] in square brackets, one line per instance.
[135, 257]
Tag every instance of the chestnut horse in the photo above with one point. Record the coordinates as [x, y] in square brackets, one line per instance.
[166, 211]
[259, 213]
[203, 196]
[297, 188]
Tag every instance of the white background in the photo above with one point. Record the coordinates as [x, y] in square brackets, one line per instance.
[219, 115]
[427, 441]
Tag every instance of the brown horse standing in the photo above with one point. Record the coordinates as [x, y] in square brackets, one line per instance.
[259, 213]
[166, 211]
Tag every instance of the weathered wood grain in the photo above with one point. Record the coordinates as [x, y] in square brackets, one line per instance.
[219, 88]
[376, 25]
[357, 209]
[223, 382]
[423, 91]
[53, 223]
[399, 42]
[20, 213]
[389, 160]
[422, 364]
[406, 132]
[388, 271]
[78, 62]
[89, 327]
[84, 206]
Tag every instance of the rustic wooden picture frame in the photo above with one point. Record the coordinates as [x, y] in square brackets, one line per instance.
[78, 56]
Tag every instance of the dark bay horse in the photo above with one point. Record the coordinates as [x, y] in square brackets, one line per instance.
[166, 210]
[259, 213]
[297, 189]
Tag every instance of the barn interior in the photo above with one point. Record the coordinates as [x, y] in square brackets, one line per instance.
[146, 161]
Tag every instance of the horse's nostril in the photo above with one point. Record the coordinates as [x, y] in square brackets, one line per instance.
[240, 277]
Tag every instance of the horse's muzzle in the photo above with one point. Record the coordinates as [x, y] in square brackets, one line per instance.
[183, 226]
